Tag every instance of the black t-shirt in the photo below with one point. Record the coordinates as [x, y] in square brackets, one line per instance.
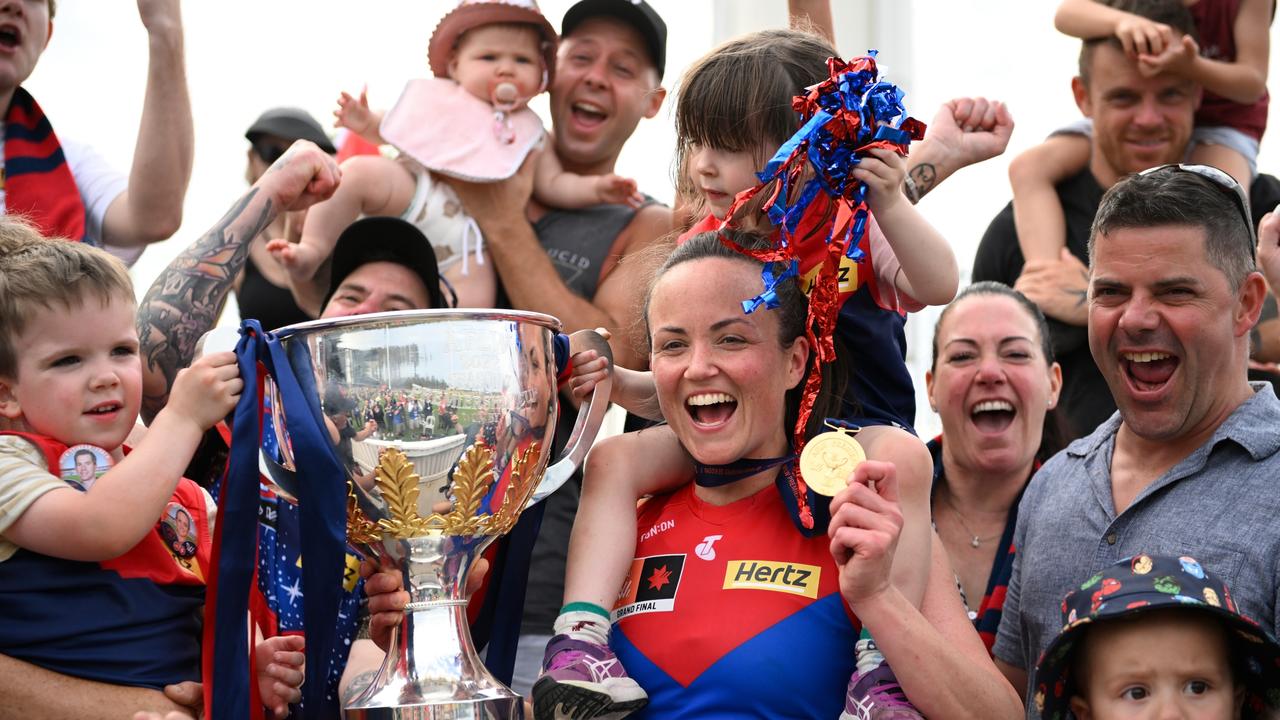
[1086, 399]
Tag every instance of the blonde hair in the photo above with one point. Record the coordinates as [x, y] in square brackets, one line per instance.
[38, 272]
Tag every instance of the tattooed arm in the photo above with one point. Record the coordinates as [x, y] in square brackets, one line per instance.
[185, 300]
[1060, 287]
[963, 132]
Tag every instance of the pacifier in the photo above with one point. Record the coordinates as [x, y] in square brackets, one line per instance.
[505, 97]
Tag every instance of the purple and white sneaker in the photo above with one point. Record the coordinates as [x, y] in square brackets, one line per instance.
[583, 680]
[876, 695]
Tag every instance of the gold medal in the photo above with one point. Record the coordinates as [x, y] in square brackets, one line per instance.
[829, 459]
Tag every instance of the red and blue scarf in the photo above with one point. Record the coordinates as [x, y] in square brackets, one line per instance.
[37, 180]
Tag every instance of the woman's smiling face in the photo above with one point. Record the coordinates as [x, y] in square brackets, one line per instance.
[992, 384]
[721, 374]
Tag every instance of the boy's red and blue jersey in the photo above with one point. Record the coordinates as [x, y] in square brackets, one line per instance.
[729, 612]
[132, 620]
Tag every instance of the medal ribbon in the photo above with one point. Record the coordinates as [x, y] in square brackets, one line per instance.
[230, 692]
[845, 116]
[717, 475]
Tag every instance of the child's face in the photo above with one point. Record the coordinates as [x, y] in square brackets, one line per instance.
[719, 175]
[493, 54]
[79, 377]
[1165, 665]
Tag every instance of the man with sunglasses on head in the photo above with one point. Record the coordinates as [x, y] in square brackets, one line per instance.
[1138, 122]
[1187, 466]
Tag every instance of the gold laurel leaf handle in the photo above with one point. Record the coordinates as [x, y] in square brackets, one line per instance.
[399, 486]
[359, 530]
[471, 482]
[517, 491]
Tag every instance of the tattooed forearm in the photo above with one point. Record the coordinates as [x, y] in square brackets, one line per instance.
[920, 180]
[1081, 294]
[185, 300]
[358, 685]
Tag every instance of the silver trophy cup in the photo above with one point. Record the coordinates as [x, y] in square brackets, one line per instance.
[444, 422]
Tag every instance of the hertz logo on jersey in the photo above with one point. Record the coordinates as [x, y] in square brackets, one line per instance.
[793, 578]
[846, 276]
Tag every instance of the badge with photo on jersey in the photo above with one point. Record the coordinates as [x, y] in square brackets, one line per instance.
[178, 530]
[81, 465]
[650, 586]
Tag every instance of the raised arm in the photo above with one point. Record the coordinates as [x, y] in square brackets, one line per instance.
[1243, 80]
[812, 15]
[964, 131]
[530, 279]
[187, 297]
[929, 272]
[150, 209]
[1089, 19]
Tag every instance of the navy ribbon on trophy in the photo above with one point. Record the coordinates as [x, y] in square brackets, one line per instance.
[230, 692]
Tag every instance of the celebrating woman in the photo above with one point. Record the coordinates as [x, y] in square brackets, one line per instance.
[994, 383]
[729, 608]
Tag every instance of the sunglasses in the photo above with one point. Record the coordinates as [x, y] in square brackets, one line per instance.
[1222, 181]
[269, 151]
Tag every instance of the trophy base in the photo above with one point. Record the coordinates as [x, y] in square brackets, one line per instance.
[509, 708]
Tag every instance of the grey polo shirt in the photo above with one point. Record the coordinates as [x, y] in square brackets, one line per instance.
[1220, 505]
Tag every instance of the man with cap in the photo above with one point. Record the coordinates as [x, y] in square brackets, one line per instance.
[64, 187]
[571, 263]
[582, 266]
[262, 289]
[382, 264]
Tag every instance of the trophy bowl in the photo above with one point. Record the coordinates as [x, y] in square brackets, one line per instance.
[443, 423]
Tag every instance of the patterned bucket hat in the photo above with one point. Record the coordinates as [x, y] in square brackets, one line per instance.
[1143, 583]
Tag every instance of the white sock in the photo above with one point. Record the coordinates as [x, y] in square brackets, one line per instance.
[586, 625]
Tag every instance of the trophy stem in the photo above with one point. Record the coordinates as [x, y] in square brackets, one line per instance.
[432, 671]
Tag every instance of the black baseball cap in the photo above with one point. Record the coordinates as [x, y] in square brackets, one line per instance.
[290, 123]
[636, 13]
[385, 239]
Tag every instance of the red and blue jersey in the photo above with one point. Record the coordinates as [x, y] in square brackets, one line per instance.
[729, 612]
[131, 620]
